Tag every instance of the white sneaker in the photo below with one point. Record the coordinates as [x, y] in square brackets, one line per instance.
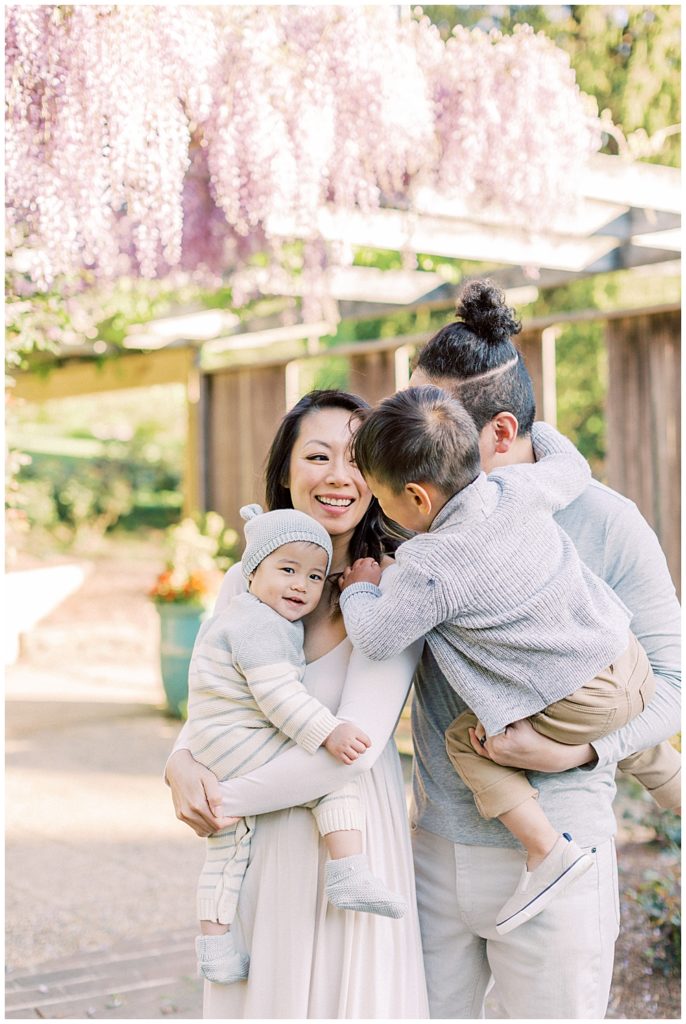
[535, 889]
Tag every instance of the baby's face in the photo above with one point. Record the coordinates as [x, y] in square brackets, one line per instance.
[291, 579]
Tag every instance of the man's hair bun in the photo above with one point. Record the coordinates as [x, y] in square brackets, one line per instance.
[482, 308]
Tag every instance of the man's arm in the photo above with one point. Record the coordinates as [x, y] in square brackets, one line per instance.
[617, 544]
[636, 569]
[560, 472]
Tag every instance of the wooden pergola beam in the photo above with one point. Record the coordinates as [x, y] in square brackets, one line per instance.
[91, 376]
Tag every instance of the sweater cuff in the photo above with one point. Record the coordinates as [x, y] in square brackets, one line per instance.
[323, 725]
[605, 752]
[546, 440]
[363, 587]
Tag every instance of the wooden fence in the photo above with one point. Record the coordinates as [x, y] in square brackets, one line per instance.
[643, 421]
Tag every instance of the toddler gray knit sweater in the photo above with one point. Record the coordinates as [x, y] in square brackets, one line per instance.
[513, 617]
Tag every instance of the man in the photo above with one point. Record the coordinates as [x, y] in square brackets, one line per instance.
[558, 965]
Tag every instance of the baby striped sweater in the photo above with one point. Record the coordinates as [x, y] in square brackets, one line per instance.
[513, 617]
[246, 696]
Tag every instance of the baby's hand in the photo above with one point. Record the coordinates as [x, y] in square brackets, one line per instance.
[347, 742]
[364, 570]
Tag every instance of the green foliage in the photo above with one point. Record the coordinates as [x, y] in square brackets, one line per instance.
[626, 57]
[75, 313]
[383, 259]
[78, 312]
[68, 497]
[660, 898]
[658, 895]
[666, 825]
[581, 390]
[96, 462]
[581, 365]
[324, 373]
[224, 543]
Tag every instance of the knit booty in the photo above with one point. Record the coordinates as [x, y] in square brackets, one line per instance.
[351, 885]
[219, 960]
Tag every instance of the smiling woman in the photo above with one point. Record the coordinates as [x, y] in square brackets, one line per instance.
[310, 467]
[310, 957]
[326, 482]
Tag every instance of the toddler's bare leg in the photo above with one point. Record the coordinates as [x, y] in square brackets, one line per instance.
[529, 824]
[342, 843]
[213, 928]
[553, 860]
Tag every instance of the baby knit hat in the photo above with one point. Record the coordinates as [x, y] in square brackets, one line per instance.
[267, 531]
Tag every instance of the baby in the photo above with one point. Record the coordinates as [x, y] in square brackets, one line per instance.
[247, 702]
[517, 623]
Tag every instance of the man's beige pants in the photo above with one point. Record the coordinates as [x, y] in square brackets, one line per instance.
[558, 966]
[606, 703]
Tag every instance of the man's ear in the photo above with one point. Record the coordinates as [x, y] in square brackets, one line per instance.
[421, 498]
[505, 427]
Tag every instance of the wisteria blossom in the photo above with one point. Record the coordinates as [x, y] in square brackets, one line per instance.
[142, 138]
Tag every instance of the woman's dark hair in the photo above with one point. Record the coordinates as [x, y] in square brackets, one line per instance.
[370, 539]
[419, 435]
[467, 356]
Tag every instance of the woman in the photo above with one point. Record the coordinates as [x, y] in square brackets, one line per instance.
[308, 959]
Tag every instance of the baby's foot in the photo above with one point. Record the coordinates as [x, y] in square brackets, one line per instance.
[219, 960]
[535, 889]
[350, 885]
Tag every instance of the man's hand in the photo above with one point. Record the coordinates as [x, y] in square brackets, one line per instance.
[347, 742]
[364, 570]
[196, 794]
[520, 746]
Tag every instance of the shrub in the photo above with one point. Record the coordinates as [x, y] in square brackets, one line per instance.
[659, 896]
[199, 551]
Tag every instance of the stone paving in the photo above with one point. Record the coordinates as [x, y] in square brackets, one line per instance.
[100, 875]
[131, 980]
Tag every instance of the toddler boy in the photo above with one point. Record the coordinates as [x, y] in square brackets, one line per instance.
[517, 623]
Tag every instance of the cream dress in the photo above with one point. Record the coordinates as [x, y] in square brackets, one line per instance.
[307, 958]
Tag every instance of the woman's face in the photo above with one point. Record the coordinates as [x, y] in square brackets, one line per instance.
[323, 481]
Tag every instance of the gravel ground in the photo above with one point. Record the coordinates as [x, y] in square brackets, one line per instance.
[96, 655]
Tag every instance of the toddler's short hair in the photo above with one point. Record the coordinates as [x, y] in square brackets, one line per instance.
[419, 435]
